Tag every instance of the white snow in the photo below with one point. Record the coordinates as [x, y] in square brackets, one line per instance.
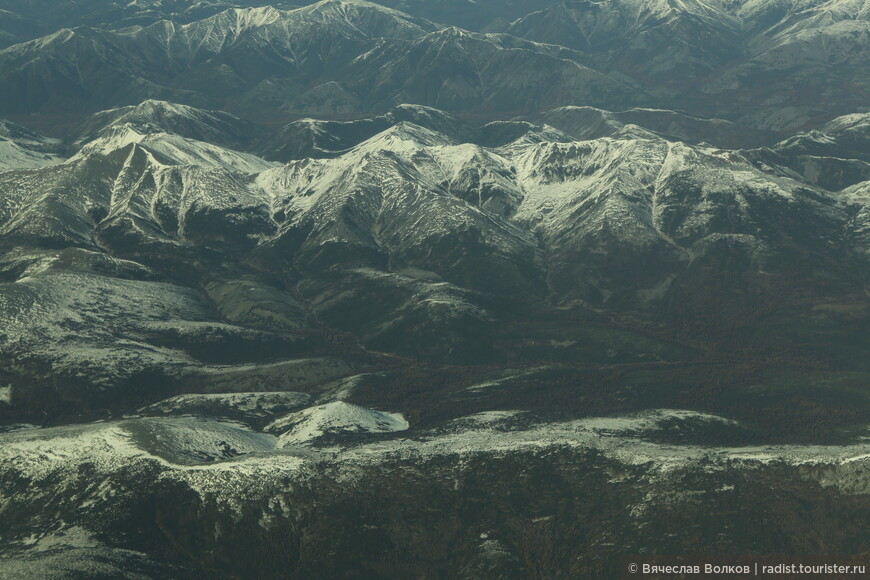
[617, 437]
[858, 122]
[14, 156]
[175, 150]
[42, 452]
[40, 309]
[56, 454]
[334, 418]
[21, 148]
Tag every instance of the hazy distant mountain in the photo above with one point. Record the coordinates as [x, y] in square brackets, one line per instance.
[652, 39]
[229, 55]
[24, 20]
[834, 156]
[351, 57]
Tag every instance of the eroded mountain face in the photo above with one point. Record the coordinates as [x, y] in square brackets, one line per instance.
[464, 290]
[781, 66]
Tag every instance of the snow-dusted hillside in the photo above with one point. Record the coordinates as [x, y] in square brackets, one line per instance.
[333, 419]
[153, 116]
[256, 493]
[23, 149]
[346, 58]
[613, 220]
[407, 289]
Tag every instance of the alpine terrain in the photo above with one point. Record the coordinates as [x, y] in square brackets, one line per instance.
[411, 289]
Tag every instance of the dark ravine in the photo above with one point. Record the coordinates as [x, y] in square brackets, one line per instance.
[431, 290]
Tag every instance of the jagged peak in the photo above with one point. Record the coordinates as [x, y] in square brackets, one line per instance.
[407, 133]
[250, 18]
[172, 149]
[345, 9]
[257, 16]
[344, 14]
[157, 116]
[454, 34]
[156, 105]
[62, 35]
[238, 20]
[352, 12]
[155, 109]
[345, 4]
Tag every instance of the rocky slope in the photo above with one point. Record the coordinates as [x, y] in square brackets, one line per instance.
[419, 242]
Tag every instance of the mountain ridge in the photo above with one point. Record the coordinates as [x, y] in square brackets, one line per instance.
[474, 289]
[344, 60]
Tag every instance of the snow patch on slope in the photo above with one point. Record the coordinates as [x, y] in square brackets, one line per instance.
[6, 395]
[176, 150]
[41, 452]
[335, 418]
[623, 438]
[14, 156]
[21, 148]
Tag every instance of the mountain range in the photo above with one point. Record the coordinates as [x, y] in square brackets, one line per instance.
[431, 289]
[352, 57]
